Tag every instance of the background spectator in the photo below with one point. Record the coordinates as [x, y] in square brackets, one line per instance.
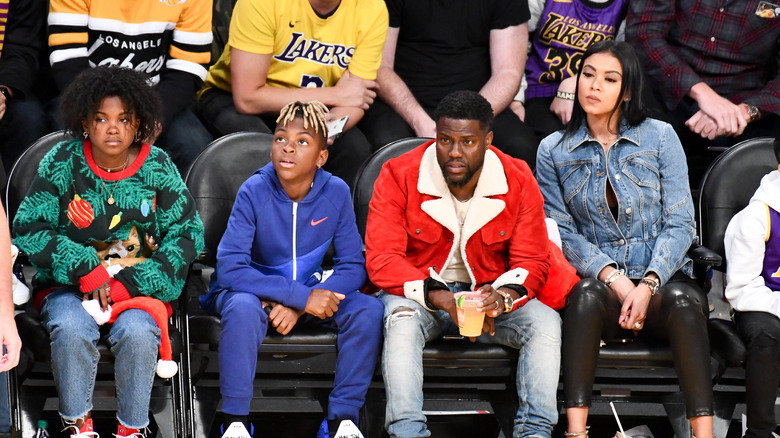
[22, 53]
[434, 48]
[561, 31]
[273, 58]
[713, 70]
[168, 40]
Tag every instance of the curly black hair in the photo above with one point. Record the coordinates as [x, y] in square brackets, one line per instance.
[81, 99]
[465, 105]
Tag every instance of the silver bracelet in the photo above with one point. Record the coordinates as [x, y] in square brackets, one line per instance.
[611, 278]
[651, 283]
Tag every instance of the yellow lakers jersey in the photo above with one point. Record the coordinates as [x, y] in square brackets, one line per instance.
[308, 50]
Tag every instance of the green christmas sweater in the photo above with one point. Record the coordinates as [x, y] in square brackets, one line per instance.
[72, 205]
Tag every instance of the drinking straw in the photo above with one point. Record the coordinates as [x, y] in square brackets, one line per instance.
[620, 426]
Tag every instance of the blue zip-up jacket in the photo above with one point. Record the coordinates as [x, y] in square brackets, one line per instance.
[274, 247]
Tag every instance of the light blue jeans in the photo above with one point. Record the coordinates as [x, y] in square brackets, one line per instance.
[534, 329]
[134, 340]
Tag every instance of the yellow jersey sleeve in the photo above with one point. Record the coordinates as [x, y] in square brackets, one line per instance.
[371, 40]
[252, 28]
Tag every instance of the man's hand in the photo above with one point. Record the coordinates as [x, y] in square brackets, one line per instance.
[492, 302]
[2, 105]
[283, 318]
[726, 114]
[323, 303]
[704, 125]
[445, 300]
[9, 337]
[354, 91]
[518, 108]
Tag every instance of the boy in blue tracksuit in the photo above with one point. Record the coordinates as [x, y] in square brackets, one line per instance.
[285, 217]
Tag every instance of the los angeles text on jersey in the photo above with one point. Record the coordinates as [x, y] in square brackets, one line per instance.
[313, 50]
[143, 53]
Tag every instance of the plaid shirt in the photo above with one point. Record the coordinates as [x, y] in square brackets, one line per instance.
[722, 43]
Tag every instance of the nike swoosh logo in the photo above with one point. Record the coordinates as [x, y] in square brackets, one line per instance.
[291, 24]
[315, 223]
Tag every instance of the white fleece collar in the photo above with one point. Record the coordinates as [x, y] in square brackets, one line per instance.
[492, 182]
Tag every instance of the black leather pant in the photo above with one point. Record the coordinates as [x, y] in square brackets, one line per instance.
[761, 332]
[678, 315]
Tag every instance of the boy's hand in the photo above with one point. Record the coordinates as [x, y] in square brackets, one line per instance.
[284, 318]
[323, 303]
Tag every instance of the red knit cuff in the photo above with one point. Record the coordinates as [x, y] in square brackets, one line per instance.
[96, 278]
[118, 291]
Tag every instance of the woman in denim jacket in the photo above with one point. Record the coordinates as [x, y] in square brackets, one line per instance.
[616, 183]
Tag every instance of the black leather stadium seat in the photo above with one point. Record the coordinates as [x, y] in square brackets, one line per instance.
[726, 188]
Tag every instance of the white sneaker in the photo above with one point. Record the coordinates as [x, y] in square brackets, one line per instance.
[347, 429]
[236, 430]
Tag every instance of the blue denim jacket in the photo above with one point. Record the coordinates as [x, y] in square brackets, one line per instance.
[648, 172]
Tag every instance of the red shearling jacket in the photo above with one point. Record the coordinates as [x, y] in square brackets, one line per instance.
[411, 224]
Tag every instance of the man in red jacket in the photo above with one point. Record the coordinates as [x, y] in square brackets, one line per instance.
[458, 214]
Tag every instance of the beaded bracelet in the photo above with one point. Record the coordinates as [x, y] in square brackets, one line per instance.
[611, 278]
[583, 433]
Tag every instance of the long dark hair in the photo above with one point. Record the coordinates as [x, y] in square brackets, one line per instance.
[633, 110]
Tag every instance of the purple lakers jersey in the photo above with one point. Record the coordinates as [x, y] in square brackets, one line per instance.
[771, 270]
[566, 28]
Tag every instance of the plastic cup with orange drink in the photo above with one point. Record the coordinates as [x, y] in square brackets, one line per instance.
[470, 320]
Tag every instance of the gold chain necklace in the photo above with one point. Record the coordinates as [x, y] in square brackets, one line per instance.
[103, 188]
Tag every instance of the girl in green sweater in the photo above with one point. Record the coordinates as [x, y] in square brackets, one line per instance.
[90, 193]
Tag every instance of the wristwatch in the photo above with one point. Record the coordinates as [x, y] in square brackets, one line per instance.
[508, 300]
[753, 112]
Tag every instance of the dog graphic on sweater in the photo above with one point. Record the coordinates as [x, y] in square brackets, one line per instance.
[117, 256]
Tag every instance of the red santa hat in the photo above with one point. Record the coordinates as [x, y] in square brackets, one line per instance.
[166, 366]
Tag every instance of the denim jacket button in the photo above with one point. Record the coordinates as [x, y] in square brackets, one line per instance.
[628, 211]
[621, 242]
[617, 177]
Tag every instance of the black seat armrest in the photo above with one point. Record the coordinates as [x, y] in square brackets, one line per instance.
[702, 255]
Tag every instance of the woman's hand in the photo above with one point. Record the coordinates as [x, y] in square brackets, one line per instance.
[634, 311]
[622, 287]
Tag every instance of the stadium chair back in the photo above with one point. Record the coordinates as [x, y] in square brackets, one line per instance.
[215, 177]
[26, 168]
[369, 172]
[727, 187]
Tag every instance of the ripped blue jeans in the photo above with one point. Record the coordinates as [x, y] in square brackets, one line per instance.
[534, 329]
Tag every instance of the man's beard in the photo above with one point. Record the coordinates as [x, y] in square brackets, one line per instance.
[462, 182]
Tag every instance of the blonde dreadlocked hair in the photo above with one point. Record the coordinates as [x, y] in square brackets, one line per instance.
[312, 113]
